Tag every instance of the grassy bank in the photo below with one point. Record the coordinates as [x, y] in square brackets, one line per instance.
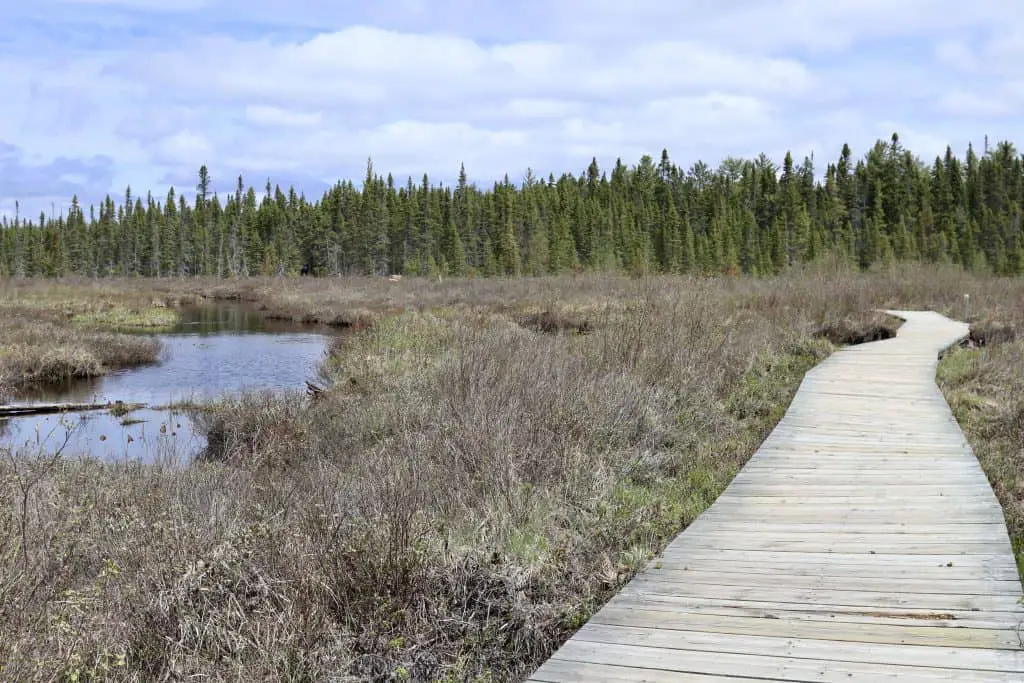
[53, 332]
[984, 385]
[489, 462]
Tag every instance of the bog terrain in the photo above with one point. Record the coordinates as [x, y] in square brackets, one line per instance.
[480, 465]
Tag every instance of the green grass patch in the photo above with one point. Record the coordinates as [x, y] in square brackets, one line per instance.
[150, 319]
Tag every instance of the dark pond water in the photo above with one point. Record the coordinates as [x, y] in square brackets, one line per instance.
[213, 351]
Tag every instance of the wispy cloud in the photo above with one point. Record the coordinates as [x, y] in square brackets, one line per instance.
[100, 94]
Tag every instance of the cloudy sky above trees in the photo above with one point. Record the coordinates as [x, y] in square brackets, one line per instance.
[99, 94]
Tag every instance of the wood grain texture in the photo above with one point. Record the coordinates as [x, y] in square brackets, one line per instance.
[861, 542]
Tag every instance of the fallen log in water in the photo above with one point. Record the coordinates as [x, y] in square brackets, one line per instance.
[47, 408]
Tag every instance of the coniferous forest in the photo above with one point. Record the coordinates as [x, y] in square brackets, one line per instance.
[746, 216]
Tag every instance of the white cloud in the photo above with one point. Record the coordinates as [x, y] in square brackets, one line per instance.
[539, 108]
[995, 56]
[368, 66]
[266, 115]
[421, 86]
[970, 104]
[956, 54]
[1007, 45]
[184, 147]
[839, 25]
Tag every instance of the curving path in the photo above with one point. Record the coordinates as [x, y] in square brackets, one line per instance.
[862, 542]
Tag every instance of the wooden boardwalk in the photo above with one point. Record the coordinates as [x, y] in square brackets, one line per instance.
[862, 542]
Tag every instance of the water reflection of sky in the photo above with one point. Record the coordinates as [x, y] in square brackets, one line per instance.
[146, 434]
[214, 351]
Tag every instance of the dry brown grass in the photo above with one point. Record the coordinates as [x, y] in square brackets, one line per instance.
[464, 495]
[992, 332]
[51, 332]
[34, 352]
[984, 384]
[861, 329]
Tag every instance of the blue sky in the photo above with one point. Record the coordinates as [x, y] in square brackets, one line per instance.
[99, 94]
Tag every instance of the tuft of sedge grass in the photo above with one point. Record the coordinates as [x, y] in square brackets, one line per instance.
[464, 495]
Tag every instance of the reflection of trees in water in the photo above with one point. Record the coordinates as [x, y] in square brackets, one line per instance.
[236, 318]
[220, 318]
[76, 390]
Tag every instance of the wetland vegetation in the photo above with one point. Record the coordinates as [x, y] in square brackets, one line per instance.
[487, 462]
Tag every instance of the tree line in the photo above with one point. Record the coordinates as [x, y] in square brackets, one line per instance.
[747, 216]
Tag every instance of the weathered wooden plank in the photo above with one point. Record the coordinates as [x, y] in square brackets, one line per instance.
[952, 658]
[866, 476]
[891, 572]
[754, 514]
[725, 557]
[937, 602]
[921, 500]
[839, 488]
[982, 529]
[758, 666]
[862, 541]
[669, 572]
[825, 543]
[768, 609]
[1000, 639]
[797, 559]
[802, 531]
[567, 671]
[846, 459]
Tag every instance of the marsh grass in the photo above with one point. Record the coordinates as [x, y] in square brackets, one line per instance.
[52, 332]
[984, 385]
[35, 352]
[554, 323]
[992, 332]
[867, 328]
[149, 319]
[461, 498]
